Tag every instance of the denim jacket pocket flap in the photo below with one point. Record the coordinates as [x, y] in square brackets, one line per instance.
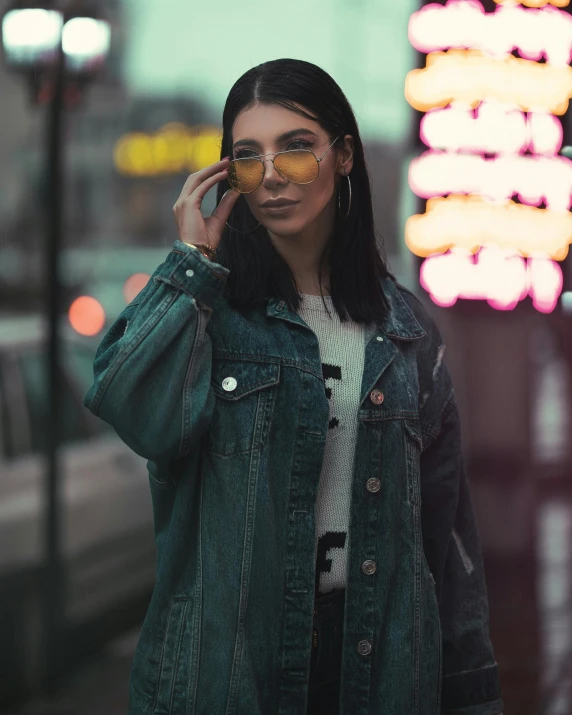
[233, 379]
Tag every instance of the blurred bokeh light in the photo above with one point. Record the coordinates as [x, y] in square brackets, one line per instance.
[86, 315]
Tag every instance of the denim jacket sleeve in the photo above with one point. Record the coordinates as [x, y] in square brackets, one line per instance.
[470, 680]
[152, 368]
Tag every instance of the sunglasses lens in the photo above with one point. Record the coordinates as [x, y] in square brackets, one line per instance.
[300, 167]
[245, 175]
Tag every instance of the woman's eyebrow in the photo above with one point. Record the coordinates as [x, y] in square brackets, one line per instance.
[280, 139]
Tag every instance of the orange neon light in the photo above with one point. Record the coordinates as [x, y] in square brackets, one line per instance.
[471, 76]
[535, 3]
[471, 222]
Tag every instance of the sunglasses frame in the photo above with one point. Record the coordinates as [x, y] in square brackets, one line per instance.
[260, 158]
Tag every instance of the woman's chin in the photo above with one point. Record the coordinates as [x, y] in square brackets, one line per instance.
[284, 230]
[284, 224]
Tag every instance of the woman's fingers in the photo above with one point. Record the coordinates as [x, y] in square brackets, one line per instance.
[195, 180]
[224, 208]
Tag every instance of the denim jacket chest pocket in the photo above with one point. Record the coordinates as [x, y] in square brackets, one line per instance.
[245, 393]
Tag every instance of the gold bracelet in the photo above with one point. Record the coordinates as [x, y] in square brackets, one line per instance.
[203, 248]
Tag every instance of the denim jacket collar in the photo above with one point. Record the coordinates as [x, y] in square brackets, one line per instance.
[399, 322]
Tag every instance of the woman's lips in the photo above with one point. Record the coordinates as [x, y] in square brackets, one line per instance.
[278, 210]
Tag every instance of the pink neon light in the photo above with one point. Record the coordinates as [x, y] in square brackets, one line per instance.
[533, 179]
[492, 129]
[500, 277]
[546, 282]
[536, 33]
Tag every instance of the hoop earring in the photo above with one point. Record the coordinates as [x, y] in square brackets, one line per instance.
[250, 230]
[350, 201]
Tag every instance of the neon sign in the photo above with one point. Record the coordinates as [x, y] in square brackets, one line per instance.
[491, 129]
[470, 76]
[471, 222]
[533, 178]
[534, 33]
[501, 278]
[492, 135]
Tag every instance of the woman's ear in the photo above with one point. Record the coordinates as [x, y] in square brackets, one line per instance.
[346, 155]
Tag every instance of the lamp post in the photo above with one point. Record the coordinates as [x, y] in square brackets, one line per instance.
[56, 47]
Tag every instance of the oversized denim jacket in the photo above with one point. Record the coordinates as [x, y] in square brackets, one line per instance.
[234, 475]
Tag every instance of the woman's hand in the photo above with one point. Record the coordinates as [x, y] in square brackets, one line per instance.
[193, 227]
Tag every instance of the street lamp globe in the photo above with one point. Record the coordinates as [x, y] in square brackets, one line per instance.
[86, 39]
[30, 36]
[34, 31]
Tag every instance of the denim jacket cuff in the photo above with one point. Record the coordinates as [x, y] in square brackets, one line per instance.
[190, 271]
[472, 692]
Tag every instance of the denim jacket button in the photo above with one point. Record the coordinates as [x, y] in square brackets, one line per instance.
[364, 647]
[368, 567]
[376, 396]
[229, 384]
[373, 485]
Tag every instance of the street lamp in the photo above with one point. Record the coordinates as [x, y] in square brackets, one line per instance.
[56, 47]
[30, 36]
[34, 33]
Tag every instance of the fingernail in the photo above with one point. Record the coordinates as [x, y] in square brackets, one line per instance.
[225, 193]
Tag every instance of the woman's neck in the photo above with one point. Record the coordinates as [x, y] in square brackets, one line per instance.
[302, 252]
[314, 291]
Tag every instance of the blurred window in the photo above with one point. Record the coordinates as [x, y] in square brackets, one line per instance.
[4, 438]
[74, 426]
[78, 360]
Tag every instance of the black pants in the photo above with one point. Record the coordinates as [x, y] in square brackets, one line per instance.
[326, 662]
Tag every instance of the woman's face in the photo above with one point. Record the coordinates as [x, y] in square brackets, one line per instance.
[258, 131]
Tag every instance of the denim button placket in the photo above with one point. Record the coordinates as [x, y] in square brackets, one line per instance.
[373, 484]
[364, 647]
[368, 567]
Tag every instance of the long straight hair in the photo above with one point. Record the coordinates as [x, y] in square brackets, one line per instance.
[257, 270]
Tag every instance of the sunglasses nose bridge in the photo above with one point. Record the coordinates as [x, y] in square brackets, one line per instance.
[266, 169]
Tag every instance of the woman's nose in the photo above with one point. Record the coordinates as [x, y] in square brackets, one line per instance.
[271, 175]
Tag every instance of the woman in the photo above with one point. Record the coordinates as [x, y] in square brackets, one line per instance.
[317, 546]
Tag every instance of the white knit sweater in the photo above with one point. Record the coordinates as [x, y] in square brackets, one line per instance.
[342, 349]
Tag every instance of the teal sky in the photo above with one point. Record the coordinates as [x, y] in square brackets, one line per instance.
[202, 48]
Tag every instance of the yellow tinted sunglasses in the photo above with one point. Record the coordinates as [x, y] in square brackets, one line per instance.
[300, 166]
